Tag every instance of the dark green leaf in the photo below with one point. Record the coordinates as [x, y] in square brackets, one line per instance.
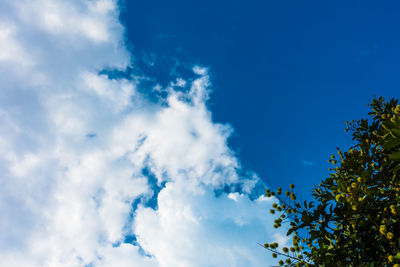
[395, 156]
[391, 143]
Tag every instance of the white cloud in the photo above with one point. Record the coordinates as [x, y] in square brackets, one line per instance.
[116, 95]
[195, 228]
[74, 145]
[86, 19]
[11, 50]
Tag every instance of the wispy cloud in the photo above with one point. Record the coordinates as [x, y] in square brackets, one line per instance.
[84, 157]
[308, 162]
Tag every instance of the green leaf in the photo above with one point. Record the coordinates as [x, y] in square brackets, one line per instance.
[291, 230]
[388, 125]
[396, 132]
[305, 218]
[391, 143]
[395, 156]
[314, 234]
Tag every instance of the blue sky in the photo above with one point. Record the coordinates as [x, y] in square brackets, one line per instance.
[286, 74]
[140, 133]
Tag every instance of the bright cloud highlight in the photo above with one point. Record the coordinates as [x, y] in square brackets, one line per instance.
[96, 174]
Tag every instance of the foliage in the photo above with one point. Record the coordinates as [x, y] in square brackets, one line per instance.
[354, 218]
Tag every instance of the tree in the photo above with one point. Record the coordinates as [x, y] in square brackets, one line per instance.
[353, 219]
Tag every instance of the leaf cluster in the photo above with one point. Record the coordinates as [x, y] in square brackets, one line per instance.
[354, 218]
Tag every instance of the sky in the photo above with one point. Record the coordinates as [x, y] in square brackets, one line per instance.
[143, 133]
[286, 74]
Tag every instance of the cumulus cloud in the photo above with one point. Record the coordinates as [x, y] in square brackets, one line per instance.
[94, 173]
